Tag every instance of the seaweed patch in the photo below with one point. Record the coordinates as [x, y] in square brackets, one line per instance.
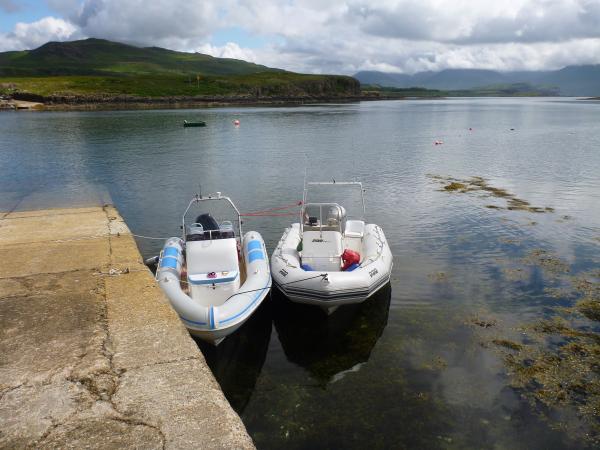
[481, 185]
[547, 261]
[455, 186]
[438, 277]
[556, 364]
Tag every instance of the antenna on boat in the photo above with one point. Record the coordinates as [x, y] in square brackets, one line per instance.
[305, 177]
[305, 169]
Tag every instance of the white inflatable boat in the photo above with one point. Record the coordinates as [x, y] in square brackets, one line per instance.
[329, 259]
[214, 278]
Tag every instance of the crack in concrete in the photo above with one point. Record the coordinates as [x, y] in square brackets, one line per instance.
[3, 392]
[76, 212]
[59, 241]
[54, 425]
[38, 274]
[161, 363]
[102, 384]
[135, 422]
[109, 355]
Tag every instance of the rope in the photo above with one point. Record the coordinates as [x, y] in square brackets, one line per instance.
[267, 212]
[233, 295]
[150, 237]
[322, 275]
[245, 292]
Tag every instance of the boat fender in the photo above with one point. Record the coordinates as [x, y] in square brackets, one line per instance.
[307, 268]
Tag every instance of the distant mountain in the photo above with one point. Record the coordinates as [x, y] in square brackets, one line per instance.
[570, 81]
[102, 57]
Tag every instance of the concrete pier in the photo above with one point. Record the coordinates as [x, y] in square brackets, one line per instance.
[91, 353]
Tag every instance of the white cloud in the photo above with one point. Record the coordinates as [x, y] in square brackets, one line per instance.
[344, 35]
[169, 23]
[229, 50]
[478, 22]
[34, 34]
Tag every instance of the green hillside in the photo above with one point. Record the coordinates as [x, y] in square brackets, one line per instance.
[101, 57]
[97, 68]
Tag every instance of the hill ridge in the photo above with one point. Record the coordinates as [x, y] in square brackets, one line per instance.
[94, 56]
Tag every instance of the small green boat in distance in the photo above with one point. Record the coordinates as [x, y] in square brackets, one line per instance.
[194, 124]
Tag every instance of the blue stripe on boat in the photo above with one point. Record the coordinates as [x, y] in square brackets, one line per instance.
[169, 262]
[257, 296]
[211, 317]
[171, 251]
[254, 245]
[255, 255]
[192, 321]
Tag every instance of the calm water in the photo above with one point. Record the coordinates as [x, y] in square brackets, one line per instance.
[407, 369]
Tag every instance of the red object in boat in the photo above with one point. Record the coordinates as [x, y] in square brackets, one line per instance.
[212, 275]
[350, 257]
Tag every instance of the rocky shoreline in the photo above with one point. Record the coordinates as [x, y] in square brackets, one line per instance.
[24, 100]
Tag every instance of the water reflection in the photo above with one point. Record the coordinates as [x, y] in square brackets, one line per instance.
[430, 381]
[329, 347]
[238, 360]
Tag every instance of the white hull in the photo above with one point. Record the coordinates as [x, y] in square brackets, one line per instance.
[326, 288]
[211, 310]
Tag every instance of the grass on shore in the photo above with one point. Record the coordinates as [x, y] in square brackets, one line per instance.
[164, 85]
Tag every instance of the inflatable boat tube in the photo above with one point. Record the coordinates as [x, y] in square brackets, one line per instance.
[214, 323]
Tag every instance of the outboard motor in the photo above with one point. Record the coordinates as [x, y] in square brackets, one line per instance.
[207, 221]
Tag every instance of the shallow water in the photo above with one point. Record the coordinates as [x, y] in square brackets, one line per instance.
[410, 368]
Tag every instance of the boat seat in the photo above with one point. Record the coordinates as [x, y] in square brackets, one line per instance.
[207, 235]
[216, 255]
[226, 230]
[195, 232]
[354, 228]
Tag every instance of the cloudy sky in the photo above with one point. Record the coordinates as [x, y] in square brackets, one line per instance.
[333, 36]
